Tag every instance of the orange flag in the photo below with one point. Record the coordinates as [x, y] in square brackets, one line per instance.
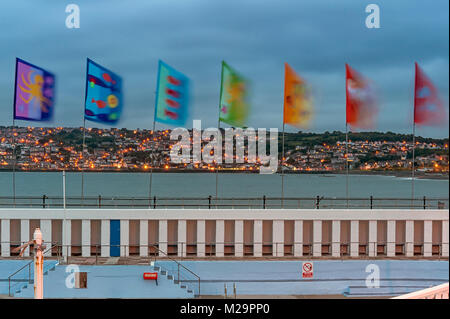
[298, 108]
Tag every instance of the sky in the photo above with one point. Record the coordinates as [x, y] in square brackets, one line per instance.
[316, 37]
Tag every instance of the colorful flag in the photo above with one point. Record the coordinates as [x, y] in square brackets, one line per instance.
[361, 103]
[104, 100]
[172, 96]
[34, 92]
[428, 107]
[234, 108]
[298, 108]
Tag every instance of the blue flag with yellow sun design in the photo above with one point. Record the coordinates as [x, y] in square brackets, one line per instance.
[104, 100]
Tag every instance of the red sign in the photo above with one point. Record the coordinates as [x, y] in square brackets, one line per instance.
[150, 275]
[307, 270]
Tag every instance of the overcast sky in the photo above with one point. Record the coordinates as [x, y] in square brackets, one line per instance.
[316, 37]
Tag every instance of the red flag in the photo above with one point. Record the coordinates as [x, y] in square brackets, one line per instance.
[360, 100]
[428, 108]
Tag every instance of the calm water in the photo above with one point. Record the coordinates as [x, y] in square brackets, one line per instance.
[230, 185]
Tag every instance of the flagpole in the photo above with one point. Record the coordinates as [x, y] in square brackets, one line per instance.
[64, 188]
[217, 164]
[84, 161]
[64, 242]
[218, 128]
[346, 162]
[413, 164]
[414, 140]
[14, 164]
[282, 171]
[346, 132]
[152, 163]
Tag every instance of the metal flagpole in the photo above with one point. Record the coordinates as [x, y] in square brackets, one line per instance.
[64, 189]
[64, 222]
[217, 170]
[282, 171]
[84, 135]
[414, 141]
[218, 128]
[14, 164]
[152, 164]
[82, 155]
[413, 165]
[346, 162]
[152, 154]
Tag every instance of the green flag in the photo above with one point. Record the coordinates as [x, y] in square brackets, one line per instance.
[234, 108]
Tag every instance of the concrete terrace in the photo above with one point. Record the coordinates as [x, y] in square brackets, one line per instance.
[110, 282]
[22, 279]
[281, 279]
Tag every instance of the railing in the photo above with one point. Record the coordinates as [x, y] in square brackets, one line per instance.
[25, 273]
[437, 292]
[180, 250]
[180, 272]
[210, 202]
[184, 250]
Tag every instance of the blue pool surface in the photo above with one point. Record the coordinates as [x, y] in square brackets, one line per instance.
[331, 277]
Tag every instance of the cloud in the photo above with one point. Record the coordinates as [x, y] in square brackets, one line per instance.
[256, 37]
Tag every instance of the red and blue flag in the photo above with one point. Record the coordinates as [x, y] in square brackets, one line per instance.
[104, 101]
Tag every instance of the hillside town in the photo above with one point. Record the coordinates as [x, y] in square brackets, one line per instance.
[59, 148]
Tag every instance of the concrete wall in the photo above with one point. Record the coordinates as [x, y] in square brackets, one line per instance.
[239, 233]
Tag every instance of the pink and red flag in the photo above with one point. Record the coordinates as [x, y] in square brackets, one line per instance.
[428, 107]
[360, 100]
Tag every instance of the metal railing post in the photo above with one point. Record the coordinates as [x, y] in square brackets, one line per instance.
[317, 201]
[99, 201]
[371, 201]
[154, 202]
[264, 201]
[209, 201]
[43, 201]
[424, 202]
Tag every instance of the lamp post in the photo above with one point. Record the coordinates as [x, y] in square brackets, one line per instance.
[38, 264]
[39, 247]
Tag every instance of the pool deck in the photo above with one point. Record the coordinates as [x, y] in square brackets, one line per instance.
[253, 278]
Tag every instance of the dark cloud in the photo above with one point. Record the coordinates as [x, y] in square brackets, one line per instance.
[256, 37]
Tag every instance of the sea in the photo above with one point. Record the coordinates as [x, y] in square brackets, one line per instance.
[237, 185]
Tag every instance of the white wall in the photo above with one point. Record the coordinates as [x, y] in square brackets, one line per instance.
[397, 221]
